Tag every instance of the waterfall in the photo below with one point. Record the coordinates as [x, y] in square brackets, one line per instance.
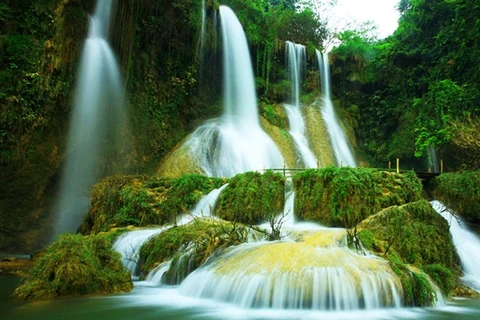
[204, 207]
[129, 244]
[340, 145]
[433, 163]
[297, 275]
[296, 57]
[467, 244]
[203, 28]
[98, 116]
[234, 143]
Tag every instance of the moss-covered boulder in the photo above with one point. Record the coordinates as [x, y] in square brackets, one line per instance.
[76, 265]
[413, 235]
[342, 197]
[189, 246]
[123, 200]
[252, 197]
[460, 191]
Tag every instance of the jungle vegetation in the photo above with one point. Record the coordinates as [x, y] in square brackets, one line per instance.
[417, 89]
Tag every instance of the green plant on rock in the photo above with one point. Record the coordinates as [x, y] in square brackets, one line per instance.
[122, 200]
[414, 234]
[189, 246]
[252, 197]
[344, 196]
[76, 265]
[460, 191]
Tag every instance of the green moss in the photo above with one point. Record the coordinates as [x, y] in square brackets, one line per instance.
[344, 196]
[275, 114]
[445, 278]
[460, 191]
[76, 265]
[252, 197]
[189, 246]
[414, 235]
[122, 200]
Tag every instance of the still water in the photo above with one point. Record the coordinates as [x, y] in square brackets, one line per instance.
[147, 302]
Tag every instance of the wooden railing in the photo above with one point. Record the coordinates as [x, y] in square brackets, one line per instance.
[288, 172]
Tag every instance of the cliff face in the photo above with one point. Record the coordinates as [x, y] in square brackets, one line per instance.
[41, 43]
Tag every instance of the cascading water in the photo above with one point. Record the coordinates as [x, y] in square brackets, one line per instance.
[98, 116]
[310, 269]
[317, 272]
[234, 143]
[129, 243]
[205, 206]
[466, 243]
[296, 55]
[340, 145]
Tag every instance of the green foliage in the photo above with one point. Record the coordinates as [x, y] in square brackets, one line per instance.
[414, 84]
[353, 55]
[443, 277]
[75, 265]
[460, 191]
[344, 196]
[436, 108]
[121, 200]
[252, 197]
[189, 246]
[274, 114]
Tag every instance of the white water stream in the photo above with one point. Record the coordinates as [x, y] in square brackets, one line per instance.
[98, 116]
[235, 142]
[296, 58]
[467, 244]
[339, 142]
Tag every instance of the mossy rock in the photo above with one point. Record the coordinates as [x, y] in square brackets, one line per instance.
[252, 197]
[414, 234]
[342, 197]
[189, 246]
[418, 290]
[460, 191]
[122, 200]
[76, 265]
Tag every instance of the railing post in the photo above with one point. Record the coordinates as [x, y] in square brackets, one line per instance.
[389, 165]
[441, 165]
[398, 165]
[284, 167]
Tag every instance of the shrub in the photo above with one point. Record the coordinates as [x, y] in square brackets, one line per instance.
[342, 197]
[76, 265]
[252, 197]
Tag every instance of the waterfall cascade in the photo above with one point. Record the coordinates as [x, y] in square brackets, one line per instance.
[235, 142]
[310, 269]
[340, 145]
[296, 55]
[466, 243]
[298, 275]
[98, 116]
